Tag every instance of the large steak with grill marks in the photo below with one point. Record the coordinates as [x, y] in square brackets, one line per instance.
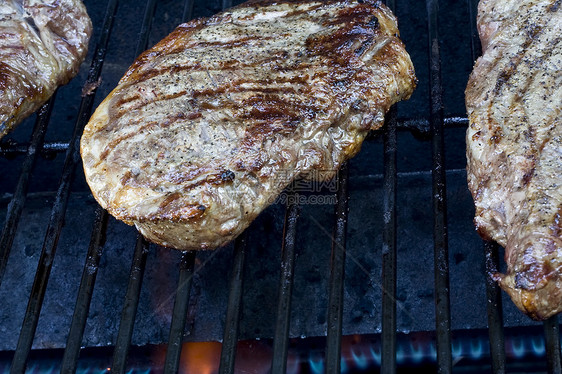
[210, 125]
[42, 44]
[514, 152]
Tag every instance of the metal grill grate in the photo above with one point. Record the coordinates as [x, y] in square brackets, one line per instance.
[434, 126]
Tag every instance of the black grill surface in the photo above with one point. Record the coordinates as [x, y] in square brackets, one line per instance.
[386, 255]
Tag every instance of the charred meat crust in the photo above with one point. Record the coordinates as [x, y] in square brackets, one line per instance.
[207, 127]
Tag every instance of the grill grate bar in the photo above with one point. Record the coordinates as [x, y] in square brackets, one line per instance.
[388, 353]
[495, 310]
[441, 256]
[475, 46]
[84, 298]
[388, 338]
[552, 344]
[11, 149]
[183, 291]
[29, 325]
[177, 327]
[226, 4]
[15, 207]
[188, 10]
[142, 43]
[142, 247]
[337, 273]
[228, 353]
[493, 292]
[50, 149]
[230, 337]
[130, 305]
[408, 124]
[281, 337]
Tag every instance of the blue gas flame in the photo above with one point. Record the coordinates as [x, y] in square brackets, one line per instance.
[518, 347]
[343, 366]
[538, 346]
[476, 348]
[400, 356]
[316, 366]
[456, 349]
[417, 352]
[360, 359]
[376, 355]
[432, 351]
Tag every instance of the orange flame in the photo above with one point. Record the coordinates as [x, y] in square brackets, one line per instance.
[252, 357]
[200, 358]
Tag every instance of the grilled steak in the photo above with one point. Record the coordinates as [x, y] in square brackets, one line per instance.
[209, 126]
[514, 152]
[42, 44]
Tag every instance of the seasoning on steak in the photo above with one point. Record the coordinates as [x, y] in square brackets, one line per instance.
[210, 125]
[514, 152]
[42, 44]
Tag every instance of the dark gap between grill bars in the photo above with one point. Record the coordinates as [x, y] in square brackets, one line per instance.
[15, 207]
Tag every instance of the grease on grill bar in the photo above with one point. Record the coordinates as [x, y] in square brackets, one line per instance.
[379, 322]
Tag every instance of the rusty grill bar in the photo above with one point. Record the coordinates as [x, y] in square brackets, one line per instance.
[433, 126]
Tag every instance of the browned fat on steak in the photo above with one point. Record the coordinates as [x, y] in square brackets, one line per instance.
[210, 125]
[42, 44]
[514, 101]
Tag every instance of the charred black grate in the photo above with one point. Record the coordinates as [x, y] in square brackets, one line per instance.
[386, 349]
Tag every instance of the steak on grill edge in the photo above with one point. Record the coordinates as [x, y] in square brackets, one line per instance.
[514, 152]
[210, 125]
[42, 44]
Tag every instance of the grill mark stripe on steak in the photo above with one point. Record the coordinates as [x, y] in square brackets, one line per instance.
[268, 110]
[539, 56]
[263, 108]
[113, 145]
[517, 60]
[514, 146]
[137, 98]
[234, 44]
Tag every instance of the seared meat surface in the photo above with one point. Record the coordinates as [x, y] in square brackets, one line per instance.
[210, 125]
[514, 146]
[42, 44]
